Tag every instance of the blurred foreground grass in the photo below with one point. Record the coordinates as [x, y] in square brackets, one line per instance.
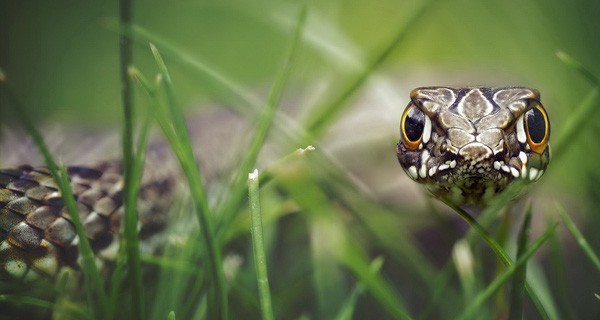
[346, 235]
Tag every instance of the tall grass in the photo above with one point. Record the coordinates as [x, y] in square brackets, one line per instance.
[333, 250]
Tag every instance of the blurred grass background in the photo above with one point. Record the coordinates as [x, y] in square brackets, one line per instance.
[61, 58]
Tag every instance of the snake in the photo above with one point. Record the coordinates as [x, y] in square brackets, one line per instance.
[464, 144]
[468, 144]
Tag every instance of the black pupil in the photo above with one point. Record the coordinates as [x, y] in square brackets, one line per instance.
[536, 125]
[414, 123]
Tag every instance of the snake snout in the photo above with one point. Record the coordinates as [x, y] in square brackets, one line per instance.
[475, 151]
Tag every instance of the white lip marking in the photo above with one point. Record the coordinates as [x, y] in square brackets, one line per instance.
[427, 130]
[452, 164]
[412, 172]
[523, 157]
[497, 165]
[521, 136]
[424, 157]
[514, 172]
[423, 172]
[443, 167]
[423, 169]
[533, 172]
[432, 171]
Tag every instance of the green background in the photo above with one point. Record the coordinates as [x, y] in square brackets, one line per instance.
[61, 59]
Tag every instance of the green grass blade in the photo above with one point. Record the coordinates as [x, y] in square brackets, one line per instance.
[144, 36]
[260, 259]
[96, 296]
[480, 230]
[348, 308]
[518, 285]
[72, 310]
[500, 253]
[377, 285]
[130, 186]
[171, 316]
[226, 212]
[190, 251]
[579, 67]
[464, 264]
[331, 247]
[217, 304]
[439, 287]
[581, 241]
[130, 253]
[505, 276]
[323, 115]
[34, 302]
[197, 64]
[582, 116]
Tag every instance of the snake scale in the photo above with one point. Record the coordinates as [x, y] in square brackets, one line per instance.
[37, 237]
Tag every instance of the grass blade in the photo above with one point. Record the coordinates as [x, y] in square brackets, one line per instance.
[518, 285]
[181, 144]
[585, 246]
[504, 277]
[584, 115]
[571, 62]
[464, 263]
[227, 211]
[378, 286]
[500, 253]
[260, 260]
[323, 115]
[73, 311]
[130, 185]
[96, 296]
[348, 308]
[131, 235]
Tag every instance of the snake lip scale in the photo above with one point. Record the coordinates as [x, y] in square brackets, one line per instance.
[468, 144]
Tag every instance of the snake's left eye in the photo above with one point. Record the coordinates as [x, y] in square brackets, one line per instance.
[537, 128]
[412, 127]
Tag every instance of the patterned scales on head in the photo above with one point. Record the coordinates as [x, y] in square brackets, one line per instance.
[468, 144]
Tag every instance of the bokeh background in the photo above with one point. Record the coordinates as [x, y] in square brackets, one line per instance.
[61, 60]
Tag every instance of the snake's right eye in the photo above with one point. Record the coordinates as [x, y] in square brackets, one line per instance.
[412, 126]
[537, 128]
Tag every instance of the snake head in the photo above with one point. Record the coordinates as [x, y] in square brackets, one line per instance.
[468, 144]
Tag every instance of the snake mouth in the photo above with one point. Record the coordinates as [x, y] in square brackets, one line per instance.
[467, 184]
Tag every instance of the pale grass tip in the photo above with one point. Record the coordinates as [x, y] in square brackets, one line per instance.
[253, 175]
[302, 151]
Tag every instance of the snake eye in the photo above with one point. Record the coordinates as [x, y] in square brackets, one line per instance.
[537, 128]
[412, 126]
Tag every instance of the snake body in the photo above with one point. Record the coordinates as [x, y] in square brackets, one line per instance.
[468, 144]
[37, 236]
